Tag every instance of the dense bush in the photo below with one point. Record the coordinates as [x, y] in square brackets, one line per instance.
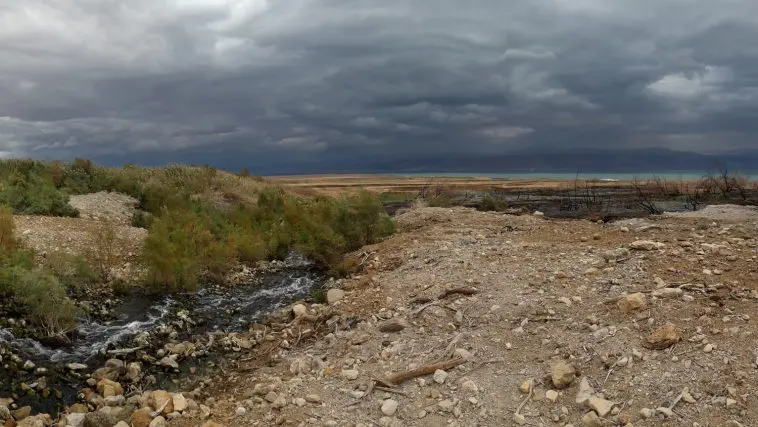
[35, 196]
[35, 289]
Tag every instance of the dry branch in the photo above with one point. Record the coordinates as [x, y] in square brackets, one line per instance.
[400, 377]
[454, 291]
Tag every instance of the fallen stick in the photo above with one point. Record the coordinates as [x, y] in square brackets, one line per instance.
[455, 291]
[390, 390]
[400, 377]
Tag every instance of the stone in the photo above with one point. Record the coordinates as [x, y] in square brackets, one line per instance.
[562, 374]
[585, 391]
[28, 365]
[106, 388]
[663, 337]
[240, 411]
[169, 362]
[666, 412]
[667, 293]
[179, 401]
[133, 372]
[313, 398]
[98, 419]
[646, 413]
[22, 412]
[76, 367]
[121, 424]
[161, 400]
[616, 254]
[78, 408]
[646, 245]
[158, 421]
[40, 420]
[211, 424]
[389, 407]
[525, 386]
[601, 406]
[141, 418]
[334, 295]
[393, 325]
[205, 411]
[464, 354]
[299, 310]
[5, 413]
[117, 400]
[519, 419]
[299, 401]
[75, 420]
[708, 348]
[590, 419]
[551, 395]
[631, 302]
[470, 386]
[350, 374]
[439, 376]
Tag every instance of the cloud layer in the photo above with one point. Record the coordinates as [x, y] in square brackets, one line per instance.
[307, 80]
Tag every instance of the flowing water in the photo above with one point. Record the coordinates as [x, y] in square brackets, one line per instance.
[210, 309]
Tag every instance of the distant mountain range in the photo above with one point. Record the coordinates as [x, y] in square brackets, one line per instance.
[651, 160]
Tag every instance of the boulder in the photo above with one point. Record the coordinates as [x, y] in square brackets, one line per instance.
[663, 337]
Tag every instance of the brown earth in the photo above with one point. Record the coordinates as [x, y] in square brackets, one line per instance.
[546, 291]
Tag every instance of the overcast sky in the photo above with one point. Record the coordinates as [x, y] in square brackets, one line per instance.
[308, 79]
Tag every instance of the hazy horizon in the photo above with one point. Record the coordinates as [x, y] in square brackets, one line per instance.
[329, 85]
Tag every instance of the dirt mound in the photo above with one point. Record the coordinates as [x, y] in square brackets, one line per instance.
[115, 207]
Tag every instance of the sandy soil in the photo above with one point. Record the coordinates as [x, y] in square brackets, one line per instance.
[546, 297]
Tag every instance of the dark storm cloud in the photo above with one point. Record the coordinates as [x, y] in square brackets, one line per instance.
[309, 79]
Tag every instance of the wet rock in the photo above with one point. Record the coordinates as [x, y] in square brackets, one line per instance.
[76, 367]
[98, 419]
[562, 374]
[28, 365]
[334, 295]
[389, 407]
[663, 337]
[631, 302]
[21, 413]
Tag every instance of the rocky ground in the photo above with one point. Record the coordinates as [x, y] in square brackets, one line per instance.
[466, 318]
[643, 322]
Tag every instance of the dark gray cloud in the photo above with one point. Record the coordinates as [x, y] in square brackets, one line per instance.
[297, 80]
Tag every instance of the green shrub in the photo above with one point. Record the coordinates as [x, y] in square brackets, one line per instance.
[35, 196]
[489, 203]
[46, 301]
[70, 270]
[8, 242]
